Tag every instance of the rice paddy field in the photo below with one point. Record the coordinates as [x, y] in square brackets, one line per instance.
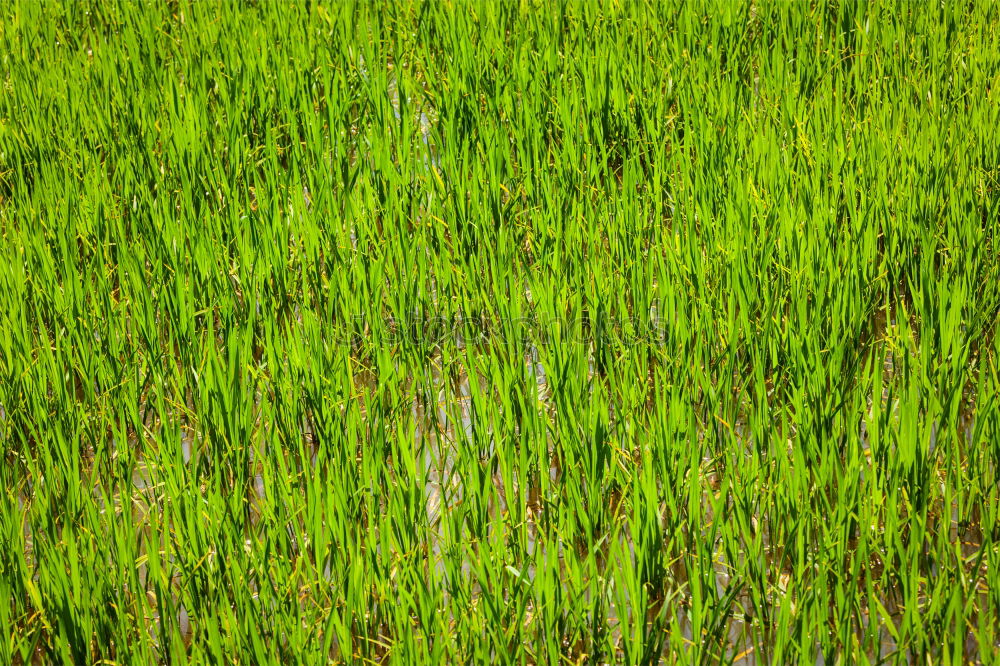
[479, 332]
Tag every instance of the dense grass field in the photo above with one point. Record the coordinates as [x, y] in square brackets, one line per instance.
[522, 332]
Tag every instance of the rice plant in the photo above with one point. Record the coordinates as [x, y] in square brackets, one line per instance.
[404, 331]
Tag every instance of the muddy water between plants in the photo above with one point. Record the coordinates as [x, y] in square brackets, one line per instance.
[443, 423]
[450, 419]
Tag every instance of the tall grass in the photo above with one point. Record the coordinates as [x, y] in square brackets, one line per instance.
[530, 332]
